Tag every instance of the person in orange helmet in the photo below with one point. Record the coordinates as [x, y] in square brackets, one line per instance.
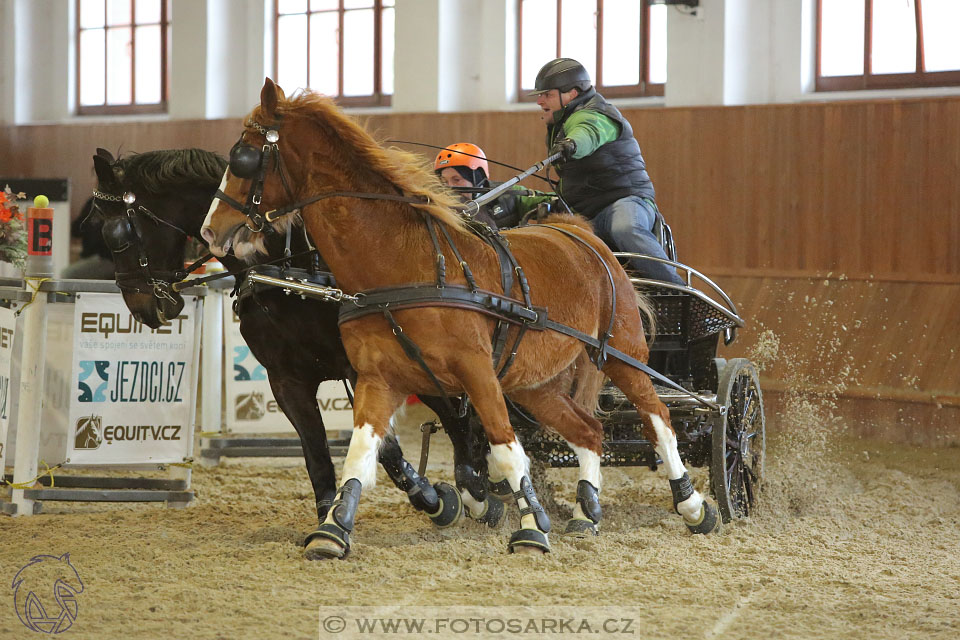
[463, 166]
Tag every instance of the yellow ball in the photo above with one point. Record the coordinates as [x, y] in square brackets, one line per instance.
[41, 202]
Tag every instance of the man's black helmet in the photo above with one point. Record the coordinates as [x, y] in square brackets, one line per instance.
[563, 74]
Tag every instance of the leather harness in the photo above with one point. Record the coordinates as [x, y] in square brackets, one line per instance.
[506, 309]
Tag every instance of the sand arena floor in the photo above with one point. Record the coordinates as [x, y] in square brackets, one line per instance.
[855, 539]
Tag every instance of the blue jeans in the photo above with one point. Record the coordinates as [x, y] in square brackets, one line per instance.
[627, 225]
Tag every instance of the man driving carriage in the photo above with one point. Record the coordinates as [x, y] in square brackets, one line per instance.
[603, 176]
[464, 166]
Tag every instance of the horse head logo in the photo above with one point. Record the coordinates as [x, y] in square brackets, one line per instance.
[250, 406]
[89, 433]
[45, 593]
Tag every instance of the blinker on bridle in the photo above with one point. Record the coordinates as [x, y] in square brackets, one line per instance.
[129, 234]
[248, 163]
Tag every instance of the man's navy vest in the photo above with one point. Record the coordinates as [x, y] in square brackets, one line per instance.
[615, 170]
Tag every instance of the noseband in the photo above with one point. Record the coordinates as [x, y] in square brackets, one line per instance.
[123, 234]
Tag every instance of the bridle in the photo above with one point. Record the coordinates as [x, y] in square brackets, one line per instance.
[122, 234]
[248, 163]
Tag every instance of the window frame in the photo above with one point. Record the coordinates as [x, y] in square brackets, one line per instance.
[377, 98]
[642, 89]
[868, 79]
[131, 108]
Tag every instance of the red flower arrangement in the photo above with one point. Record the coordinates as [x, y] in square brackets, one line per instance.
[13, 234]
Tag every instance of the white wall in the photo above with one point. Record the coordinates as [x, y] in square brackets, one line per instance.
[451, 55]
[8, 47]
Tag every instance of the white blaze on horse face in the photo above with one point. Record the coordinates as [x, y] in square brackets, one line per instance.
[361, 462]
[209, 218]
[667, 450]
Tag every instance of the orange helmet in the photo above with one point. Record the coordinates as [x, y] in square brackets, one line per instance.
[456, 155]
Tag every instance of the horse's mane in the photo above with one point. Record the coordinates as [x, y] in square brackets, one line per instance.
[405, 171]
[172, 169]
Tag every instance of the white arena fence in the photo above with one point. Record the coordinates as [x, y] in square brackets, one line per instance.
[246, 420]
[85, 385]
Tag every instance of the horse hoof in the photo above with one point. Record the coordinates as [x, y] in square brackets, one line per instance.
[531, 541]
[580, 528]
[451, 506]
[328, 541]
[323, 549]
[501, 488]
[493, 513]
[707, 521]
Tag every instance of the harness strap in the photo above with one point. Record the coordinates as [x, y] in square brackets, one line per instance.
[177, 286]
[441, 265]
[413, 352]
[492, 304]
[601, 355]
[275, 214]
[467, 273]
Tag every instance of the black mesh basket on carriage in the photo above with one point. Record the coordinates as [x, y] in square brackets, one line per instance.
[689, 326]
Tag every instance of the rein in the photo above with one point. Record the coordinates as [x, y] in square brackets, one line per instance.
[245, 162]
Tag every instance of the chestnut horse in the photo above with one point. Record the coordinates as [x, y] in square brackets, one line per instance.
[151, 203]
[292, 151]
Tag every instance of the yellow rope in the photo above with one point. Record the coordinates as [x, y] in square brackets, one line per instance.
[29, 483]
[185, 465]
[29, 281]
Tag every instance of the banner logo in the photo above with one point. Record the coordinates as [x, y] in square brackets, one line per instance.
[250, 406]
[45, 594]
[96, 392]
[89, 433]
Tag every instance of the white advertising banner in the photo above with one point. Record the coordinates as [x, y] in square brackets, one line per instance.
[251, 407]
[8, 324]
[57, 384]
[133, 387]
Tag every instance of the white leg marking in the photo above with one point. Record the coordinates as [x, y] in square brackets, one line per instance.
[589, 471]
[361, 461]
[667, 450]
[476, 508]
[513, 463]
[589, 466]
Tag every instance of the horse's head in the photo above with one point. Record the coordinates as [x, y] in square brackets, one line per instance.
[259, 180]
[151, 203]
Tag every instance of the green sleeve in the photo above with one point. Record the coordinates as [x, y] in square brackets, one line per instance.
[530, 201]
[590, 130]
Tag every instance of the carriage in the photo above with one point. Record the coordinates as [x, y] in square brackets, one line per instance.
[728, 437]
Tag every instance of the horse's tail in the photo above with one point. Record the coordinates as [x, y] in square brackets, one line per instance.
[649, 315]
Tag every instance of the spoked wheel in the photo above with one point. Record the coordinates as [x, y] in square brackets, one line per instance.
[739, 445]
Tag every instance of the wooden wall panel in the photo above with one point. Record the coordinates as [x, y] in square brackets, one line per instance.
[857, 188]
[793, 208]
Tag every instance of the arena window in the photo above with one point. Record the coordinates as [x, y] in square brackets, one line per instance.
[887, 44]
[122, 56]
[622, 43]
[341, 48]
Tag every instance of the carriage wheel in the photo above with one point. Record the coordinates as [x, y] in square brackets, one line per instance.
[739, 445]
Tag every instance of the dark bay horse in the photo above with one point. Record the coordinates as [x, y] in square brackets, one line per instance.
[297, 341]
[292, 152]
